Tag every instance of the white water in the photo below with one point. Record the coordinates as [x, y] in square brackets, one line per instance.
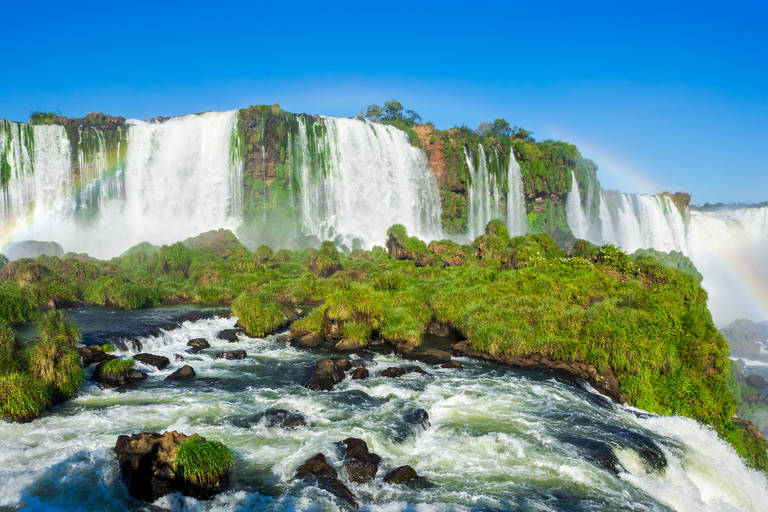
[575, 212]
[499, 439]
[374, 178]
[517, 220]
[177, 181]
[484, 193]
[729, 246]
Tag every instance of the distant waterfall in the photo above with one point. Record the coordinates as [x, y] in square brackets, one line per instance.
[575, 212]
[484, 193]
[517, 220]
[729, 246]
[371, 178]
[167, 181]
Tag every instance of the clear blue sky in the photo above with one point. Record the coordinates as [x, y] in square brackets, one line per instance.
[660, 97]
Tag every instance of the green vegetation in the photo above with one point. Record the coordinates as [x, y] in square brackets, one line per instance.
[119, 292]
[118, 367]
[258, 315]
[22, 398]
[672, 259]
[57, 328]
[202, 462]
[108, 348]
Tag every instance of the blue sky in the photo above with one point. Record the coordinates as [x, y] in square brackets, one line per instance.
[662, 98]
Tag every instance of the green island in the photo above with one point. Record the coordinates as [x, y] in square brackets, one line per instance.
[637, 328]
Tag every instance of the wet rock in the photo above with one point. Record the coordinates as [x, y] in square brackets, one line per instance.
[756, 381]
[284, 419]
[327, 373]
[414, 369]
[431, 356]
[147, 464]
[393, 372]
[310, 340]
[229, 335]
[439, 329]
[159, 362]
[360, 373]
[327, 478]
[197, 345]
[363, 465]
[124, 379]
[91, 354]
[452, 364]
[231, 354]
[358, 363]
[186, 372]
[346, 345]
[120, 345]
[401, 475]
[179, 357]
[136, 345]
[418, 417]
[317, 467]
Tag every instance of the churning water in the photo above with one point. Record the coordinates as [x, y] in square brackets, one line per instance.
[499, 439]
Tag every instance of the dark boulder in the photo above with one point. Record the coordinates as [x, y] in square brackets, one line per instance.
[756, 381]
[393, 372]
[401, 475]
[360, 373]
[159, 362]
[308, 341]
[284, 419]
[748, 427]
[363, 465]
[431, 356]
[186, 372]
[91, 354]
[452, 364]
[418, 417]
[148, 466]
[328, 373]
[316, 466]
[229, 335]
[123, 379]
[197, 345]
[136, 345]
[231, 354]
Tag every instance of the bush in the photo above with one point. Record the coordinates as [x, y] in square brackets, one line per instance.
[615, 258]
[212, 295]
[56, 328]
[202, 462]
[120, 292]
[9, 349]
[14, 306]
[326, 260]
[57, 366]
[257, 314]
[22, 398]
[263, 254]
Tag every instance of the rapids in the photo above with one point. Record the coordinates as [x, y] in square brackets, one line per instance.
[500, 439]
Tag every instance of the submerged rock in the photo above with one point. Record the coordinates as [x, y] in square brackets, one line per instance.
[327, 373]
[197, 345]
[327, 478]
[418, 417]
[148, 467]
[229, 335]
[186, 372]
[91, 354]
[159, 362]
[452, 364]
[231, 354]
[431, 356]
[401, 475]
[284, 419]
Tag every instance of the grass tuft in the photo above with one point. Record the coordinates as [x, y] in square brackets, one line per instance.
[202, 462]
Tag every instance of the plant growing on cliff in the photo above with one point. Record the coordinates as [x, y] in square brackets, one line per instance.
[201, 462]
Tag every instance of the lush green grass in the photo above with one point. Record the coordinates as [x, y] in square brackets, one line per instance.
[258, 315]
[56, 328]
[672, 259]
[201, 462]
[14, 306]
[22, 398]
[57, 366]
[10, 347]
[118, 367]
[119, 292]
[108, 348]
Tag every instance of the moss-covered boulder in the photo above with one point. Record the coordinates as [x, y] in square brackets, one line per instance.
[154, 465]
[118, 373]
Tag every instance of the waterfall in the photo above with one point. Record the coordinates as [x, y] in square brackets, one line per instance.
[165, 182]
[484, 193]
[517, 220]
[368, 178]
[728, 246]
[575, 214]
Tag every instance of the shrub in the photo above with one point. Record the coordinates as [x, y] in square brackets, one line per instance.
[202, 462]
[9, 349]
[14, 306]
[326, 260]
[57, 366]
[108, 348]
[120, 292]
[263, 254]
[615, 258]
[22, 398]
[56, 328]
[258, 315]
[212, 295]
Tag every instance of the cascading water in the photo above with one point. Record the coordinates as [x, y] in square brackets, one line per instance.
[499, 439]
[168, 181]
[728, 246]
[484, 193]
[517, 220]
[575, 213]
[372, 178]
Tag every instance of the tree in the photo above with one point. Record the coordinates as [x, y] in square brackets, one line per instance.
[501, 127]
[412, 117]
[374, 112]
[522, 133]
[483, 128]
[393, 110]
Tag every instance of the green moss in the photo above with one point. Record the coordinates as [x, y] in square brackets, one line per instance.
[22, 398]
[672, 259]
[202, 462]
[118, 367]
[258, 315]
